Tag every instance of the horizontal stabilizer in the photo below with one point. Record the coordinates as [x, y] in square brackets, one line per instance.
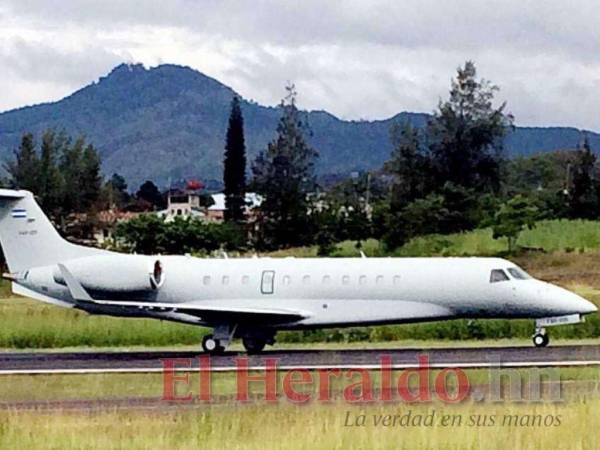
[75, 288]
[11, 194]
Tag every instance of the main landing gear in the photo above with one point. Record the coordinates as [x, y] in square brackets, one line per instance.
[254, 344]
[540, 338]
[254, 341]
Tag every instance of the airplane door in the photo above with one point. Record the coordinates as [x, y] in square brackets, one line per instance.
[268, 279]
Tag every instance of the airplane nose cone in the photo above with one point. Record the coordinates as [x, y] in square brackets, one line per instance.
[586, 307]
[576, 303]
[562, 301]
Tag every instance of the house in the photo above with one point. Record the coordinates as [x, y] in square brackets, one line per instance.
[94, 229]
[216, 212]
[183, 203]
[189, 203]
[106, 222]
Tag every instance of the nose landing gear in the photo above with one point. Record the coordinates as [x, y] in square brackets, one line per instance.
[540, 338]
[212, 346]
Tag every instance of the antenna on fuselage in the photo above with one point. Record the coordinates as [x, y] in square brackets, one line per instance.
[362, 254]
[225, 255]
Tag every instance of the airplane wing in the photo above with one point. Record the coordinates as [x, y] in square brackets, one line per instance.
[214, 313]
[204, 312]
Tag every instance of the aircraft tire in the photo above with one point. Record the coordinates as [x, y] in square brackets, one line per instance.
[211, 345]
[541, 340]
[254, 345]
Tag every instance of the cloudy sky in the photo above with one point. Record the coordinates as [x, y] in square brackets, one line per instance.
[356, 59]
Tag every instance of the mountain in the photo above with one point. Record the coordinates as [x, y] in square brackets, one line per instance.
[169, 122]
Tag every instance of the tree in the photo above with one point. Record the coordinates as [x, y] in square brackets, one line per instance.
[512, 218]
[466, 134]
[116, 191]
[24, 170]
[148, 192]
[91, 177]
[410, 165]
[71, 168]
[284, 176]
[49, 188]
[421, 216]
[449, 165]
[583, 192]
[150, 234]
[234, 173]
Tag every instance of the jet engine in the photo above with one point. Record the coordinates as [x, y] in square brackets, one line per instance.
[115, 273]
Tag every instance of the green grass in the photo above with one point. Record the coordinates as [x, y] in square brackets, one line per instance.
[17, 388]
[289, 426]
[548, 235]
[29, 324]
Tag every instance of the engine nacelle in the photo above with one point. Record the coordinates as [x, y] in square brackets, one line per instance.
[116, 273]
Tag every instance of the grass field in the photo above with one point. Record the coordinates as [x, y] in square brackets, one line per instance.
[310, 427]
[17, 388]
[548, 236]
[228, 424]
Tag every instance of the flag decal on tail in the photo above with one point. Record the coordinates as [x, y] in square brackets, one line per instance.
[19, 214]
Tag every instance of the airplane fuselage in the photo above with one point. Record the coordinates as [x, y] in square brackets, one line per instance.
[252, 298]
[329, 291]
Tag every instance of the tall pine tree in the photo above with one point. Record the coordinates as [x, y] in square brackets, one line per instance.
[71, 167]
[234, 173]
[50, 181]
[466, 134]
[25, 169]
[91, 177]
[284, 176]
[583, 192]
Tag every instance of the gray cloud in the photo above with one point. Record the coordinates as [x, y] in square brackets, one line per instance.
[40, 61]
[356, 59]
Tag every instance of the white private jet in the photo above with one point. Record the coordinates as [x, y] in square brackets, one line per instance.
[253, 298]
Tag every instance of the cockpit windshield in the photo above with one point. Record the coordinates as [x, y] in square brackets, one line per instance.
[518, 274]
[498, 275]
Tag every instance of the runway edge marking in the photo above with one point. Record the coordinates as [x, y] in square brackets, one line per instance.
[476, 365]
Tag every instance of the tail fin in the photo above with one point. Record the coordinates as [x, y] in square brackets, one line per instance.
[28, 238]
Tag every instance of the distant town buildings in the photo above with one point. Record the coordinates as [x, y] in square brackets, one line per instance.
[187, 203]
[216, 212]
[184, 203]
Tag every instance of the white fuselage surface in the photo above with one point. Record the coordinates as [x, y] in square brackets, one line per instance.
[326, 291]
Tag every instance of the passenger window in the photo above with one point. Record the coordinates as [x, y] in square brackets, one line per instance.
[225, 279]
[287, 280]
[245, 279]
[306, 279]
[362, 280]
[326, 279]
[396, 280]
[498, 275]
[206, 280]
[345, 279]
[379, 280]
[518, 274]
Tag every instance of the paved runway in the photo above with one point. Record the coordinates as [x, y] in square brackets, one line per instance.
[149, 361]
